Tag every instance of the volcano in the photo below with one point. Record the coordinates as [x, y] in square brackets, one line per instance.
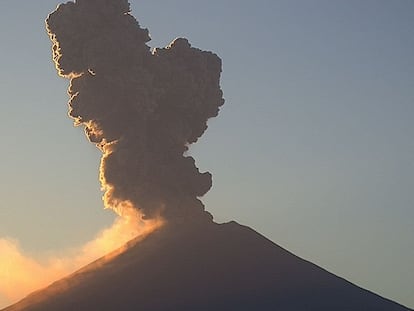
[187, 265]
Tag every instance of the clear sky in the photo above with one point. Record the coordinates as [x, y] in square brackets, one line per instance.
[314, 147]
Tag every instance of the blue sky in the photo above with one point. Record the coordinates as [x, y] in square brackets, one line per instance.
[313, 147]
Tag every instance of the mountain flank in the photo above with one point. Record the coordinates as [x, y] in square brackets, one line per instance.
[204, 266]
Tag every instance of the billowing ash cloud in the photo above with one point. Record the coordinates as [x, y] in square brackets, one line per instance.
[142, 109]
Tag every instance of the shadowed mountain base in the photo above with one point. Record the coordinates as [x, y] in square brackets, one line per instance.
[204, 266]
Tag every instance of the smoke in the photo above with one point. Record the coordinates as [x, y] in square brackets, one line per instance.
[20, 273]
[142, 108]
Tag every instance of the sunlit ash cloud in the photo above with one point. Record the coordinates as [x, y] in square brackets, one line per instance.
[20, 273]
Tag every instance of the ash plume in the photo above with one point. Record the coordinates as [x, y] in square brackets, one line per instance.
[142, 108]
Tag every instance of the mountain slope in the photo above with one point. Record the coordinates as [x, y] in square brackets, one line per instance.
[204, 266]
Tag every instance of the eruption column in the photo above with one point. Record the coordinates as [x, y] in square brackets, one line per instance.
[142, 108]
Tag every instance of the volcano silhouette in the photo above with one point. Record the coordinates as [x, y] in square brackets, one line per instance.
[203, 266]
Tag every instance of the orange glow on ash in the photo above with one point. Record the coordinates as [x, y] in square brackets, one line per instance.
[21, 274]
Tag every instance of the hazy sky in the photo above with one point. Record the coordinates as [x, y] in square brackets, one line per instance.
[314, 147]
